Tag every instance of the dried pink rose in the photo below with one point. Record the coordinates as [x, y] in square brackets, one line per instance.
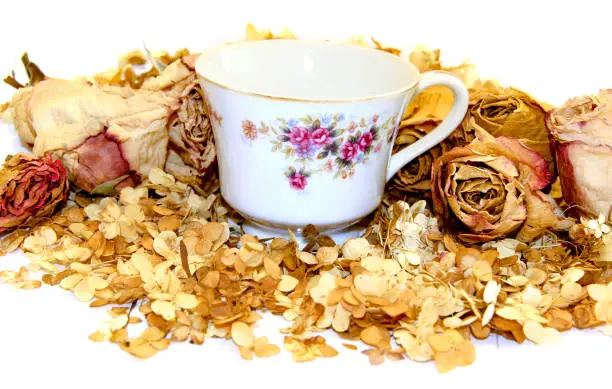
[31, 189]
[108, 137]
[105, 137]
[581, 132]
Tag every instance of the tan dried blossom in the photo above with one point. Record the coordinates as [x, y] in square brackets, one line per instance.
[84, 282]
[242, 335]
[309, 349]
[451, 350]
[602, 294]
[598, 227]
[19, 279]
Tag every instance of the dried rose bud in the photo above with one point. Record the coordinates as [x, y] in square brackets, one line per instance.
[511, 113]
[581, 132]
[30, 189]
[192, 156]
[415, 176]
[490, 189]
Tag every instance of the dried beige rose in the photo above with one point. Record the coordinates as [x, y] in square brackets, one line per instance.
[104, 136]
[490, 189]
[511, 113]
[110, 136]
[581, 138]
[192, 156]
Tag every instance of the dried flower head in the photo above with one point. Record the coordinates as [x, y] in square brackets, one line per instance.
[490, 189]
[31, 189]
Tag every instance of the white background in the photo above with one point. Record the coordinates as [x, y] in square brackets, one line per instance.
[552, 49]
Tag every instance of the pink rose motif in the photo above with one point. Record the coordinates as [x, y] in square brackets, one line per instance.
[321, 137]
[365, 141]
[375, 118]
[298, 181]
[349, 151]
[299, 136]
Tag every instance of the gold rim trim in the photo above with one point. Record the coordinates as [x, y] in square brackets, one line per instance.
[397, 92]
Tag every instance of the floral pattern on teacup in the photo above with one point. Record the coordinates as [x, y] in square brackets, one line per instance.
[323, 143]
[298, 179]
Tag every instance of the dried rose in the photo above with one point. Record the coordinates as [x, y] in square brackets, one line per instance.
[491, 188]
[511, 113]
[191, 150]
[107, 137]
[191, 137]
[581, 132]
[30, 189]
[415, 176]
[501, 112]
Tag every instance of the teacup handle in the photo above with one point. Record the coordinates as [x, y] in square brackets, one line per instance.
[438, 134]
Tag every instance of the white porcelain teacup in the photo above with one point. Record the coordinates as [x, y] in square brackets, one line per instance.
[304, 131]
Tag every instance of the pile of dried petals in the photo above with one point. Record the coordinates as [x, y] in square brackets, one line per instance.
[405, 289]
[163, 255]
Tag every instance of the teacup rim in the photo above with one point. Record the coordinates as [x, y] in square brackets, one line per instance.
[393, 93]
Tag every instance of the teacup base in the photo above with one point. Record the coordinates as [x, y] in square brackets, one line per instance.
[338, 235]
